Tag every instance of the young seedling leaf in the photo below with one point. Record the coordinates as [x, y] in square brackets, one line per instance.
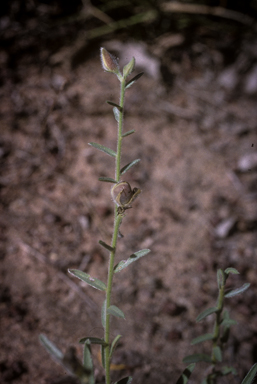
[132, 81]
[92, 340]
[183, 379]
[107, 180]
[125, 380]
[88, 363]
[196, 358]
[115, 311]
[227, 370]
[114, 105]
[98, 284]
[231, 270]
[128, 166]
[251, 375]
[114, 345]
[135, 256]
[102, 148]
[103, 314]
[217, 353]
[116, 114]
[128, 133]
[51, 348]
[200, 339]
[206, 313]
[235, 292]
[106, 246]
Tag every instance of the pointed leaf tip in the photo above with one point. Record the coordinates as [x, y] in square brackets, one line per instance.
[95, 283]
[115, 311]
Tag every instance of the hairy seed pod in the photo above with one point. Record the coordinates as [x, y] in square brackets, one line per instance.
[123, 195]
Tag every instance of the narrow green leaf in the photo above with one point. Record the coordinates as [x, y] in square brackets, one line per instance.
[235, 292]
[128, 166]
[116, 114]
[115, 311]
[228, 323]
[109, 151]
[135, 256]
[98, 284]
[227, 370]
[183, 379]
[114, 105]
[114, 345]
[204, 381]
[103, 356]
[106, 246]
[231, 270]
[107, 180]
[103, 313]
[51, 348]
[132, 81]
[125, 380]
[206, 313]
[249, 378]
[196, 358]
[200, 339]
[88, 363]
[129, 68]
[92, 340]
[217, 353]
[128, 133]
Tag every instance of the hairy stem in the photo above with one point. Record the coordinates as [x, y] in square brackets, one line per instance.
[117, 222]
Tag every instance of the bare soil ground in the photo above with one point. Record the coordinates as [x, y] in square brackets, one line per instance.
[195, 119]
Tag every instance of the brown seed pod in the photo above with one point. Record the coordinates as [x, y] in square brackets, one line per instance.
[123, 195]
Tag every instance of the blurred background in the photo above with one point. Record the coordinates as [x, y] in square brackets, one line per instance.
[194, 113]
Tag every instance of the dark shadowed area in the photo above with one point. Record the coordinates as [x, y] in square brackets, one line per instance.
[195, 116]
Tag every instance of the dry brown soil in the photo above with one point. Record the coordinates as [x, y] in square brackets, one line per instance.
[194, 123]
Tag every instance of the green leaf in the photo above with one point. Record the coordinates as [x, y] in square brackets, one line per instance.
[109, 151]
[88, 363]
[135, 256]
[98, 284]
[106, 246]
[217, 353]
[103, 313]
[228, 323]
[231, 270]
[116, 114]
[114, 105]
[235, 292]
[200, 339]
[128, 166]
[125, 380]
[132, 81]
[115, 311]
[114, 345]
[249, 378]
[51, 348]
[183, 379]
[206, 313]
[107, 180]
[128, 133]
[196, 358]
[129, 68]
[92, 340]
[227, 370]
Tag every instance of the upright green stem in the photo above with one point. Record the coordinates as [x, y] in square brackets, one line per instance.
[117, 222]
